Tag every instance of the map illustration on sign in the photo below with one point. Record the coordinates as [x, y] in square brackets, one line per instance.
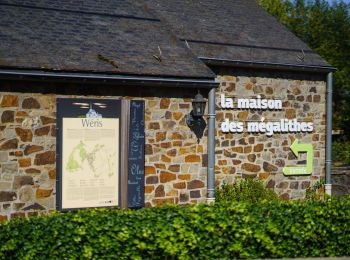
[96, 159]
[90, 158]
[297, 148]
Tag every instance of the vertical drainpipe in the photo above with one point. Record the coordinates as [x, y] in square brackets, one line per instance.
[211, 147]
[328, 184]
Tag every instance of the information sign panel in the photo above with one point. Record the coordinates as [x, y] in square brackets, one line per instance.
[88, 152]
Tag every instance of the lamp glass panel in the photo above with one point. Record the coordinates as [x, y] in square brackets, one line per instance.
[198, 108]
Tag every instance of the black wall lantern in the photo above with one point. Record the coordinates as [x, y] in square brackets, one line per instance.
[195, 119]
[198, 105]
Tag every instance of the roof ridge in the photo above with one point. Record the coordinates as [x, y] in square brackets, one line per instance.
[81, 12]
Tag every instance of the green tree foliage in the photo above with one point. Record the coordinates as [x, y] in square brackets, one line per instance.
[326, 29]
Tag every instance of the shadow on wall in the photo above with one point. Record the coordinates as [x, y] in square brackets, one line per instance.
[86, 89]
[340, 180]
[266, 73]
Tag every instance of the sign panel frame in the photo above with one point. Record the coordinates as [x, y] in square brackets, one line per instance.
[94, 112]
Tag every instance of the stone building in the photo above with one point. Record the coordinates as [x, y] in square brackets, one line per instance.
[161, 52]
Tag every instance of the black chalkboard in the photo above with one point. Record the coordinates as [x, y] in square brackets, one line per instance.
[136, 157]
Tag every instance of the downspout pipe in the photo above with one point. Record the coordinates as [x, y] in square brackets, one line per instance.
[328, 184]
[211, 147]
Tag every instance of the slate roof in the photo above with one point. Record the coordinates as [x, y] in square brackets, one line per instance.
[122, 36]
[235, 30]
[108, 36]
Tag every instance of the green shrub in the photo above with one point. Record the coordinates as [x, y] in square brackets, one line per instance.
[247, 190]
[223, 231]
[316, 192]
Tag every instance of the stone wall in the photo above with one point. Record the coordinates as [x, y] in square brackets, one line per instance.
[175, 164]
[175, 169]
[257, 155]
[27, 154]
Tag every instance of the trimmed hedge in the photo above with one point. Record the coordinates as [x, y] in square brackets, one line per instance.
[224, 230]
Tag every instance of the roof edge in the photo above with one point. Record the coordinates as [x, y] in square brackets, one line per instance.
[267, 65]
[90, 78]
